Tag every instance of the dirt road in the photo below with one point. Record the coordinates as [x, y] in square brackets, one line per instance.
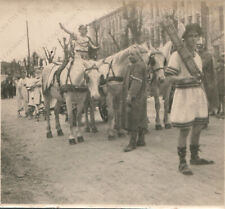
[37, 170]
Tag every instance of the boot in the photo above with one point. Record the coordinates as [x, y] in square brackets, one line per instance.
[195, 159]
[141, 138]
[183, 167]
[132, 144]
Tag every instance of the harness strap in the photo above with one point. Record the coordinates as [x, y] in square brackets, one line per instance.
[92, 67]
[110, 69]
[135, 78]
[157, 69]
[68, 73]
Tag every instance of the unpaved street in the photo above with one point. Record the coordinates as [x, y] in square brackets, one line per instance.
[39, 170]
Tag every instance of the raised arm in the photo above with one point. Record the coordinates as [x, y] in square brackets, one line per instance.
[72, 35]
[92, 44]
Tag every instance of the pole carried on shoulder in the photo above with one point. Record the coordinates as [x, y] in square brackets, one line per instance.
[184, 53]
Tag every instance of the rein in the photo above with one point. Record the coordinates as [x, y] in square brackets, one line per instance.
[71, 87]
[110, 68]
[68, 73]
[154, 71]
[87, 70]
[94, 67]
[152, 56]
[113, 77]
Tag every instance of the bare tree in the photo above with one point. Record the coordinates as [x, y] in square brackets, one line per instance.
[96, 27]
[49, 54]
[133, 14]
[114, 40]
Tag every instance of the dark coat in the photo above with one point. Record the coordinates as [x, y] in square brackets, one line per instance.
[136, 86]
[220, 80]
[210, 80]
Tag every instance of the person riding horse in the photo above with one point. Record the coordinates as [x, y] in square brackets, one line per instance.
[79, 47]
[82, 41]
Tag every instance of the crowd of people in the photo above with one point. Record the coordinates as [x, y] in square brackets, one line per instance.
[29, 95]
[8, 88]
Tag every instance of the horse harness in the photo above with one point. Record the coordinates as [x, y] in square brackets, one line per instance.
[152, 62]
[76, 88]
[113, 77]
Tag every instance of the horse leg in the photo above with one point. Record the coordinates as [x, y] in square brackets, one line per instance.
[158, 125]
[118, 118]
[70, 116]
[80, 106]
[110, 106]
[57, 123]
[92, 116]
[87, 124]
[166, 108]
[47, 109]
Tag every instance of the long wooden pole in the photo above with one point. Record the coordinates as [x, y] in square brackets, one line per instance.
[28, 48]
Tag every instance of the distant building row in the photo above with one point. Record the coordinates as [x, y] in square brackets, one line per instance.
[112, 31]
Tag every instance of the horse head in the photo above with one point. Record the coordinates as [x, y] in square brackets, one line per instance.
[156, 61]
[92, 79]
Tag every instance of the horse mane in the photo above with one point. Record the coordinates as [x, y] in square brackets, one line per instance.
[166, 50]
[123, 54]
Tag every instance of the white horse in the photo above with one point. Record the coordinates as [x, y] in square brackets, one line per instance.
[77, 83]
[162, 88]
[114, 70]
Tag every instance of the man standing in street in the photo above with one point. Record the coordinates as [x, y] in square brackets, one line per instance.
[209, 78]
[189, 109]
[136, 102]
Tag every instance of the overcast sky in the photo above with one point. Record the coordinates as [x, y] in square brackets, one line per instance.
[43, 17]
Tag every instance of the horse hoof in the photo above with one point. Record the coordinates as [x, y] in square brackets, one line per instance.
[60, 133]
[94, 130]
[49, 134]
[158, 127]
[111, 137]
[87, 129]
[72, 141]
[80, 139]
[168, 126]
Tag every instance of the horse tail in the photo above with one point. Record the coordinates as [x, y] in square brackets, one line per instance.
[44, 81]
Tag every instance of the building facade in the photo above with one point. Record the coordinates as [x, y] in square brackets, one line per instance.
[116, 30]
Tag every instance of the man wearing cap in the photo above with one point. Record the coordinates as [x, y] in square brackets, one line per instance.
[136, 102]
[82, 41]
[189, 107]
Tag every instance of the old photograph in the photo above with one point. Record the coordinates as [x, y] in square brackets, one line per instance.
[112, 104]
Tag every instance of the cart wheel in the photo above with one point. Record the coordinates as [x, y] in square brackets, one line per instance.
[103, 112]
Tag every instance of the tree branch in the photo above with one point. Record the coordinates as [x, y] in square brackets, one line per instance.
[114, 40]
[45, 52]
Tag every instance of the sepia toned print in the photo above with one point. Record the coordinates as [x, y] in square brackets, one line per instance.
[112, 104]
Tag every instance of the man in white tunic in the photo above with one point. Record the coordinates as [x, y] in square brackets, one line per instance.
[189, 108]
[21, 95]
